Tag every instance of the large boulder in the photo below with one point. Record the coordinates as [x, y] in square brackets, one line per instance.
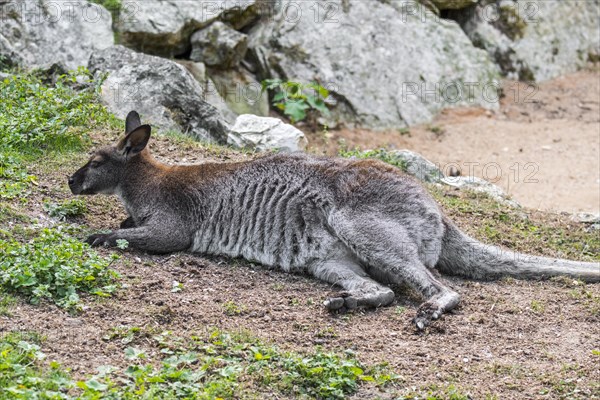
[164, 27]
[535, 41]
[219, 46]
[163, 91]
[37, 33]
[386, 67]
[252, 132]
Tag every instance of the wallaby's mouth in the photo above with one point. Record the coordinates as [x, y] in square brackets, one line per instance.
[76, 186]
[75, 189]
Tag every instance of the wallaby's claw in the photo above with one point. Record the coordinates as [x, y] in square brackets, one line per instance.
[98, 239]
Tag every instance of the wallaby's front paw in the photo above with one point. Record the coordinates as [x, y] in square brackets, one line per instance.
[100, 239]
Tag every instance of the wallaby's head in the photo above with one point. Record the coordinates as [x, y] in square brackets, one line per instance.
[104, 171]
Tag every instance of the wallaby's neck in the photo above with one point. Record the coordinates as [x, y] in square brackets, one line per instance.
[142, 174]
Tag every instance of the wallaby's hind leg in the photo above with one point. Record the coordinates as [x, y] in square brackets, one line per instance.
[387, 248]
[362, 291]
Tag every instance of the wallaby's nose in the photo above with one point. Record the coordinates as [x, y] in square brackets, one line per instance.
[71, 180]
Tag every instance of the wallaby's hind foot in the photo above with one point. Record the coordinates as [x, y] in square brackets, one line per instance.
[349, 301]
[360, 290]
[433, 308]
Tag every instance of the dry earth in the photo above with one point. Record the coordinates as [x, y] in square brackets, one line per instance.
[508, 339]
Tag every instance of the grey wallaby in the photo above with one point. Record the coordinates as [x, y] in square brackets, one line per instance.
[358, 224]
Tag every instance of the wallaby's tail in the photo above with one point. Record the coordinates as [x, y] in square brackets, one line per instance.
[464, 256]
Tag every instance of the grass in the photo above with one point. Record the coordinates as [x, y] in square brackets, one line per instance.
[6, 301]
[220, 365]
[232, 309]
[537, 306]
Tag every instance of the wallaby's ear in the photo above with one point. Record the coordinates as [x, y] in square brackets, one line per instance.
[132, 121]
[135, 141]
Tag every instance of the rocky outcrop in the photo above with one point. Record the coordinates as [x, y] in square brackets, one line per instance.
[386, 67]
[535, 41]
[40, 33]
[164, 27]
[251, 132]
[163, 91]
[219, 46]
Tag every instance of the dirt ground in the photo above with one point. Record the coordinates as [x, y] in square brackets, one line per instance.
[508, 339]
[542, 146]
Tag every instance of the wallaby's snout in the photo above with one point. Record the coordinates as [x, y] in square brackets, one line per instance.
[103, 172]
[76, 181]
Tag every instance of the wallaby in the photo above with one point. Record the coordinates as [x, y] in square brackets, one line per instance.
[358, 224]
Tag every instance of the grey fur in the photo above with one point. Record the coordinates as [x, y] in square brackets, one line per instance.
[356, 224]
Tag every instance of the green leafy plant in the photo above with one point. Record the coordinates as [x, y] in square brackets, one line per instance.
[53, 265]
[66, 209]
[232, 308]
[127, 334]
[20, 375]
[295, 99]
[14, 179]
[34, 114]
[221, 365]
